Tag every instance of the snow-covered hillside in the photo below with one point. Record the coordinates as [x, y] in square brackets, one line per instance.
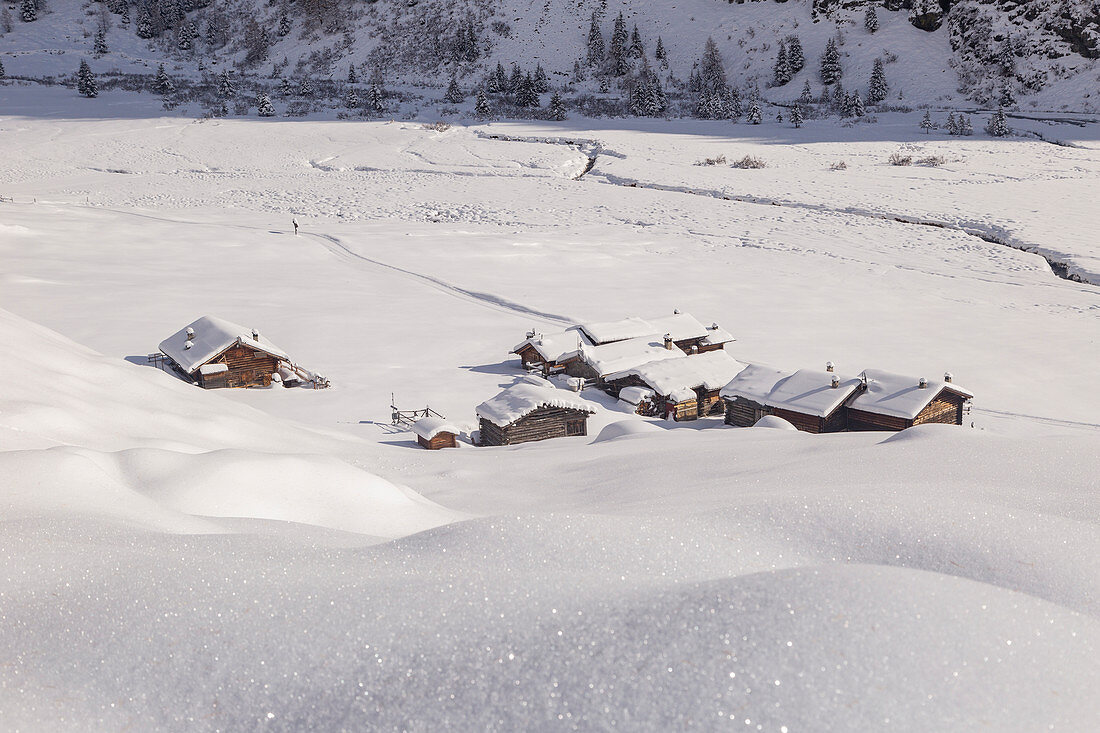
[1041, 58]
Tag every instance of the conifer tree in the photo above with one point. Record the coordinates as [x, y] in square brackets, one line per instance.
[660, 54]
[263, 105]
[375, 102]
[620, 47]
[782, 73]
[848, 106]
[878, 88]
[481, 106]
[285, 90]
[540, 80]
[595, 42]
[637, 49]
[733, 103]
[162, 83]
[186, 36]
[85, 81]
[779, 117]
[454, 95]
[953, 127]
[839, 96]
[795, 57]
[144, 24]
[967, 127]
[305, 89]
[756, 115]
[998, 124]
[226, 88]
[830, 63]
[501, 79]
[857, 105]
[578, 71]
[807, 96]
[99, 48]
[526, 96]
[351, 99]
[870, 19]
[3, 73]
[1007, 99]
[28, 11]
[796, 116]
[353, 78]
[284, 25]
[926, 123]
[557, 110]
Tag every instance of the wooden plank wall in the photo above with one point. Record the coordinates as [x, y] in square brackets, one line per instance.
[543, 424]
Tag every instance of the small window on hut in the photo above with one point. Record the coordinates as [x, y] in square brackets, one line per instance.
[574, 427]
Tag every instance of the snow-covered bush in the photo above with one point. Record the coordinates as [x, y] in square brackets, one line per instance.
[748, 162]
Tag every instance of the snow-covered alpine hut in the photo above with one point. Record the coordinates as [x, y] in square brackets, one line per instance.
[548, 351]
[686, 387]
[526, 412]
[682, 330]
[895, 402]
[435, 433]
[812, 401]
[218, 353]
[597, 362]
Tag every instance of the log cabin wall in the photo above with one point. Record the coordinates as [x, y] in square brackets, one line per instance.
[441, 440]
[543, 424]
[686, 410]
[860, 420]
[744, 413]
[946, 409]
[247, 368]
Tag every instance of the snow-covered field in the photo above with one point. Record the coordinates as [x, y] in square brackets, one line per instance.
[181, 559]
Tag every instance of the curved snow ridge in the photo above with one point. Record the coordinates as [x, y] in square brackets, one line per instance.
[1066, 270]
[337, 247]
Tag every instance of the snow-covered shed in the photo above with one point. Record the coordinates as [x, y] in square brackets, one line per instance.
[813, 401]
[526, 412]
[218, 353]
[688, 387]
[548, 350]
[434, 433]
[895, 402]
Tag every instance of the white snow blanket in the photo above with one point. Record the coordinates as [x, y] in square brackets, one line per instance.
[807, 391]
[899, 395]
[622, 355]
[213, 335]
[680, 326]
[712, 370]
[523, 398]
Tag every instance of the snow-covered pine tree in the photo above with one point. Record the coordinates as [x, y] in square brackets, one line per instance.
[998, 124]
[782, 73]
[967, 126]
[305, 89]
[353, 78]
[226, 88]
[500, 79]
[839, 96]
[733, 103]
[848, 106]
[515, 81]
[540, 80]
[795, 56]
[756, 115]
[85, 80]
[162, 83]
[99, 47]
[557, 110]
[660, 54]
[578, 72]
[878, 88]
[712, 74]
[796, 116]
[144, 24]
[807, 96]
[527, 96]
[926, 123]
[1006, 97]
[186, 36]
[637, 48]
[28, 11]
[779, 117]
[285, 90]
[857, 105]
[264, 107]
[284, 25]
[870, 19]
[620, 47]
[454, 94]
[953, 127]
[830, 63]
[351, 99]
[375, 99]
[595, 42]
[3, 73]
[124, 19]
[481, 106]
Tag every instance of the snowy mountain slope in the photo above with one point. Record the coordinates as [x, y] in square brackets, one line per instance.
[1046, 57]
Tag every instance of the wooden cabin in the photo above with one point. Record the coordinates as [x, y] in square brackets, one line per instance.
[435, 433]
[598, 362]
[528, 412]
[548, 352]
[812, 401]
[896, 402]
[216, 353]
[686, 387]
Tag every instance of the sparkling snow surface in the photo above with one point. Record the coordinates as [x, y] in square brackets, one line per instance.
[283, 559]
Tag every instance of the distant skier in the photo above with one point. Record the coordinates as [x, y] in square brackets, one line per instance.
[295, 223]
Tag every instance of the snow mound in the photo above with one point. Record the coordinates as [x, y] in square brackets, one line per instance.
[772, 421]
[626, 429]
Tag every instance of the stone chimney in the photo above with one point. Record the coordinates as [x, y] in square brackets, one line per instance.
[190, 333]
[947, 377]
[923, 383]
[669, 343]
[829, 367]
[835, 382]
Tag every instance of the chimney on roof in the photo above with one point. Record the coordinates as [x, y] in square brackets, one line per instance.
[255, 335]
[694, 349]
[829, 366]
[714, 326]
[922, 383]
[836, 382]
[669, 343]
[190, 333]
[948, 376]
[675, 311]
[188, 345]
[530, 334]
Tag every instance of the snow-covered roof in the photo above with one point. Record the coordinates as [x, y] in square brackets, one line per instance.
[603, 332]
[806, 391]
[712, 370]
[622, 355]
[553, 347]
[212, 336]
[429, 427]
[682, 395]
[523, 398]
[681, 326]
[635, 395]
[717, 335]
[899, 395]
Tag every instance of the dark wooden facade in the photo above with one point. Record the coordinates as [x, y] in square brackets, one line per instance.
[946, 409]
[745, 413]
[542, 424]
[441, 440]
[530, 357]
[248, 367]
[696, 346]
